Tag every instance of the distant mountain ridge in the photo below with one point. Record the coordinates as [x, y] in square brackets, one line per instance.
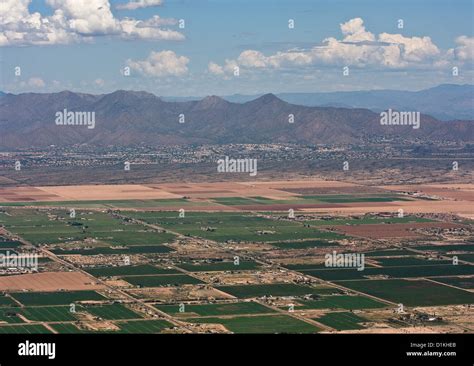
[444, 102]
[128, 117]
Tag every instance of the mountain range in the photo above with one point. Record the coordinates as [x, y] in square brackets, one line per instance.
[128, 117]
[444, 102]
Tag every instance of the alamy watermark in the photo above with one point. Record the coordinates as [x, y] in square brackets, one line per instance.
[345, 260]
[396, 118]
[78, 118]
[246, 165]
[12, 260]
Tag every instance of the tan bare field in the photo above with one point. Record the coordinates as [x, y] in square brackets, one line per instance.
[160, 191]
[463, 208]
[450, 191]
[382, 231]
[48, 281]
[458, 197]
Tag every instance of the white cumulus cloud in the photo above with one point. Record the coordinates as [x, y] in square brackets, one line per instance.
[360, 48]
[159, 64]
[75, 21]
[136, 4]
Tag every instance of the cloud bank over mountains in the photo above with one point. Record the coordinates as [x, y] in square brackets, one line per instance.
[75, 21]
[359, 48]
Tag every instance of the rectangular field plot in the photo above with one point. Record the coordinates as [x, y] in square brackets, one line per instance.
[162, 280]
[304, 244]
[147, 249]
[24, 329]
[261, 324]
[389, 253]
[144, 269]
[216, 309]
[49, 313]
[463, 282]
[67, 328]
[284, 289]
[132, 203]
[447, 248]
[56, 226]
[393, 272]
[9, 244]
[55, 298]
[219, 266]
[368, 220]
[224, 227]
[112, 312]
[342, 320]
[345, 302]
[412, 293]
[9, 315]
[6, 301]
[410, 261]
[144, 326]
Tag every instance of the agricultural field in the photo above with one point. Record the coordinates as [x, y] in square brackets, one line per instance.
[342, 320]
[55, 298]
[225, 227]
[111, 312]
[139, 265]
[412, 292]
[24, 329]
[249, 291]
[144, 269]
[261, 324]
[219, 266]
[237, 308]
[48, 313]
[161, 280]
[345, 302]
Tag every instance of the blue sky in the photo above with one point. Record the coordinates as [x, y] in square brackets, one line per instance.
[85, 45]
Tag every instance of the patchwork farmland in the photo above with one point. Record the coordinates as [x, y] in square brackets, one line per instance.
[235, 258]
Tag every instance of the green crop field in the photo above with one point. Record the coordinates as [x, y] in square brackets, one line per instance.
[56, 226]
[216, 309]
[24, 329]
[345, 302]
[447, 248]
[219, 266]
[144, 269]
[147, 249]
[341, 320]
[7, 301]
[55, 298]
[261, 324]
[9, 244]
[305, 244]
[10, 315]
[389, 253]
[412, 293]
[463, 282]
[409, 261]
[143, 326]
[429, 270]
[67, 328]
[162, 280]
[284, 289]
[49, 313]
[224, 227]
[132, 203]
[308, 199]
[112, 312]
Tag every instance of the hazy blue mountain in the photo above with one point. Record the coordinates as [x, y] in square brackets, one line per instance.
[444, 102]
